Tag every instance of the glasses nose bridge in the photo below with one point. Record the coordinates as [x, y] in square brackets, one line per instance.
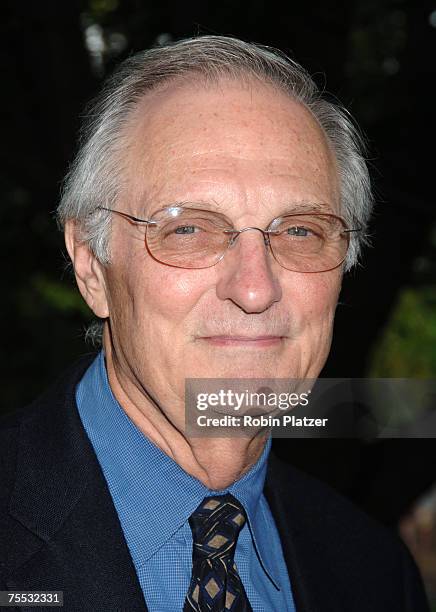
[237, 233]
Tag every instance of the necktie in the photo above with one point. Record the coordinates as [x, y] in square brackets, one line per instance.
[215, 583]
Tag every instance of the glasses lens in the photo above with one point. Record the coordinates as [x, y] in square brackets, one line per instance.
[309, 243]
[187, 238]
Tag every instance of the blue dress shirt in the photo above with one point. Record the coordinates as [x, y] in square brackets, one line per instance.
[154, 498]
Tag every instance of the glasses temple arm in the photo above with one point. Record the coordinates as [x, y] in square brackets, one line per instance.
[126, 216]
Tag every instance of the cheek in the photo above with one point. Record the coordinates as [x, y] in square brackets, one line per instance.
[142, 290]
[317, 297]
[163, 297]
[317, 304]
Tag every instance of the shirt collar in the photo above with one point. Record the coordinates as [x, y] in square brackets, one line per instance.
[143, 480]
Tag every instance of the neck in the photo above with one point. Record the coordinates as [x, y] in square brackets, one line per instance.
[216, 462]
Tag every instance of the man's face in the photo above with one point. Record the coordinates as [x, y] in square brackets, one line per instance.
[251, 153]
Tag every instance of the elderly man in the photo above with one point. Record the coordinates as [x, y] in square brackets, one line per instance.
[210, 215]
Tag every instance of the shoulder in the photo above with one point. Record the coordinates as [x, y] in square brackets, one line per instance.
[320, 506]
[66, 381]
[37, 413]
[332, 537]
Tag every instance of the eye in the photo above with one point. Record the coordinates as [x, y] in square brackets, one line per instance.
[298, 231]
[186, 229]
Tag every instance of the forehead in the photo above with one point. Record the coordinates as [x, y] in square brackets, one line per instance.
[223, 143]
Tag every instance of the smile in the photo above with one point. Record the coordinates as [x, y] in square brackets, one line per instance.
[247, 341]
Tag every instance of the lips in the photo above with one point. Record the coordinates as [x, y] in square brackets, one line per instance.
[240, 340]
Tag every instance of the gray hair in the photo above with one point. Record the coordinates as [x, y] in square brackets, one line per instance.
[95, 178]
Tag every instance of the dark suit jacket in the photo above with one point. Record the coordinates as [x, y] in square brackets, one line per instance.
[59, 529]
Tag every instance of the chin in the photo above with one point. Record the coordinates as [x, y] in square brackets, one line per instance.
[244, 368]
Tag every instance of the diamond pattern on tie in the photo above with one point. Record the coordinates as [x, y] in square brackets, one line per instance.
[215, 583]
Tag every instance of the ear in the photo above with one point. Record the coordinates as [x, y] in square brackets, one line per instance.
[88, 270]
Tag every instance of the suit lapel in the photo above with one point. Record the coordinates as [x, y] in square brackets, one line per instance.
[61, 496]
[307, 571]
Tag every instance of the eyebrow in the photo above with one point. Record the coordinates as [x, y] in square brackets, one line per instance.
[185, 204]
[306, 206]
[301, 207]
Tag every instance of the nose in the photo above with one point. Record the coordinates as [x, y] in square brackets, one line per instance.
[246, 275]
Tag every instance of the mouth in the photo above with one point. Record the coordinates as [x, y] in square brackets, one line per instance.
[243, 341]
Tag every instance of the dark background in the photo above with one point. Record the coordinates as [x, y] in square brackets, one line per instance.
[378, 57]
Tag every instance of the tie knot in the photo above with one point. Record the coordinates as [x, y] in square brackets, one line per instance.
[215, 525]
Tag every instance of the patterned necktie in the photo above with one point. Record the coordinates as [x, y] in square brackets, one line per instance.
[215, 582]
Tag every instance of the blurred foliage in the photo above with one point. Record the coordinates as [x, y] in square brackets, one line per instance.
[59, 296]
[407, 347]
[376, 45]
[100, 8]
